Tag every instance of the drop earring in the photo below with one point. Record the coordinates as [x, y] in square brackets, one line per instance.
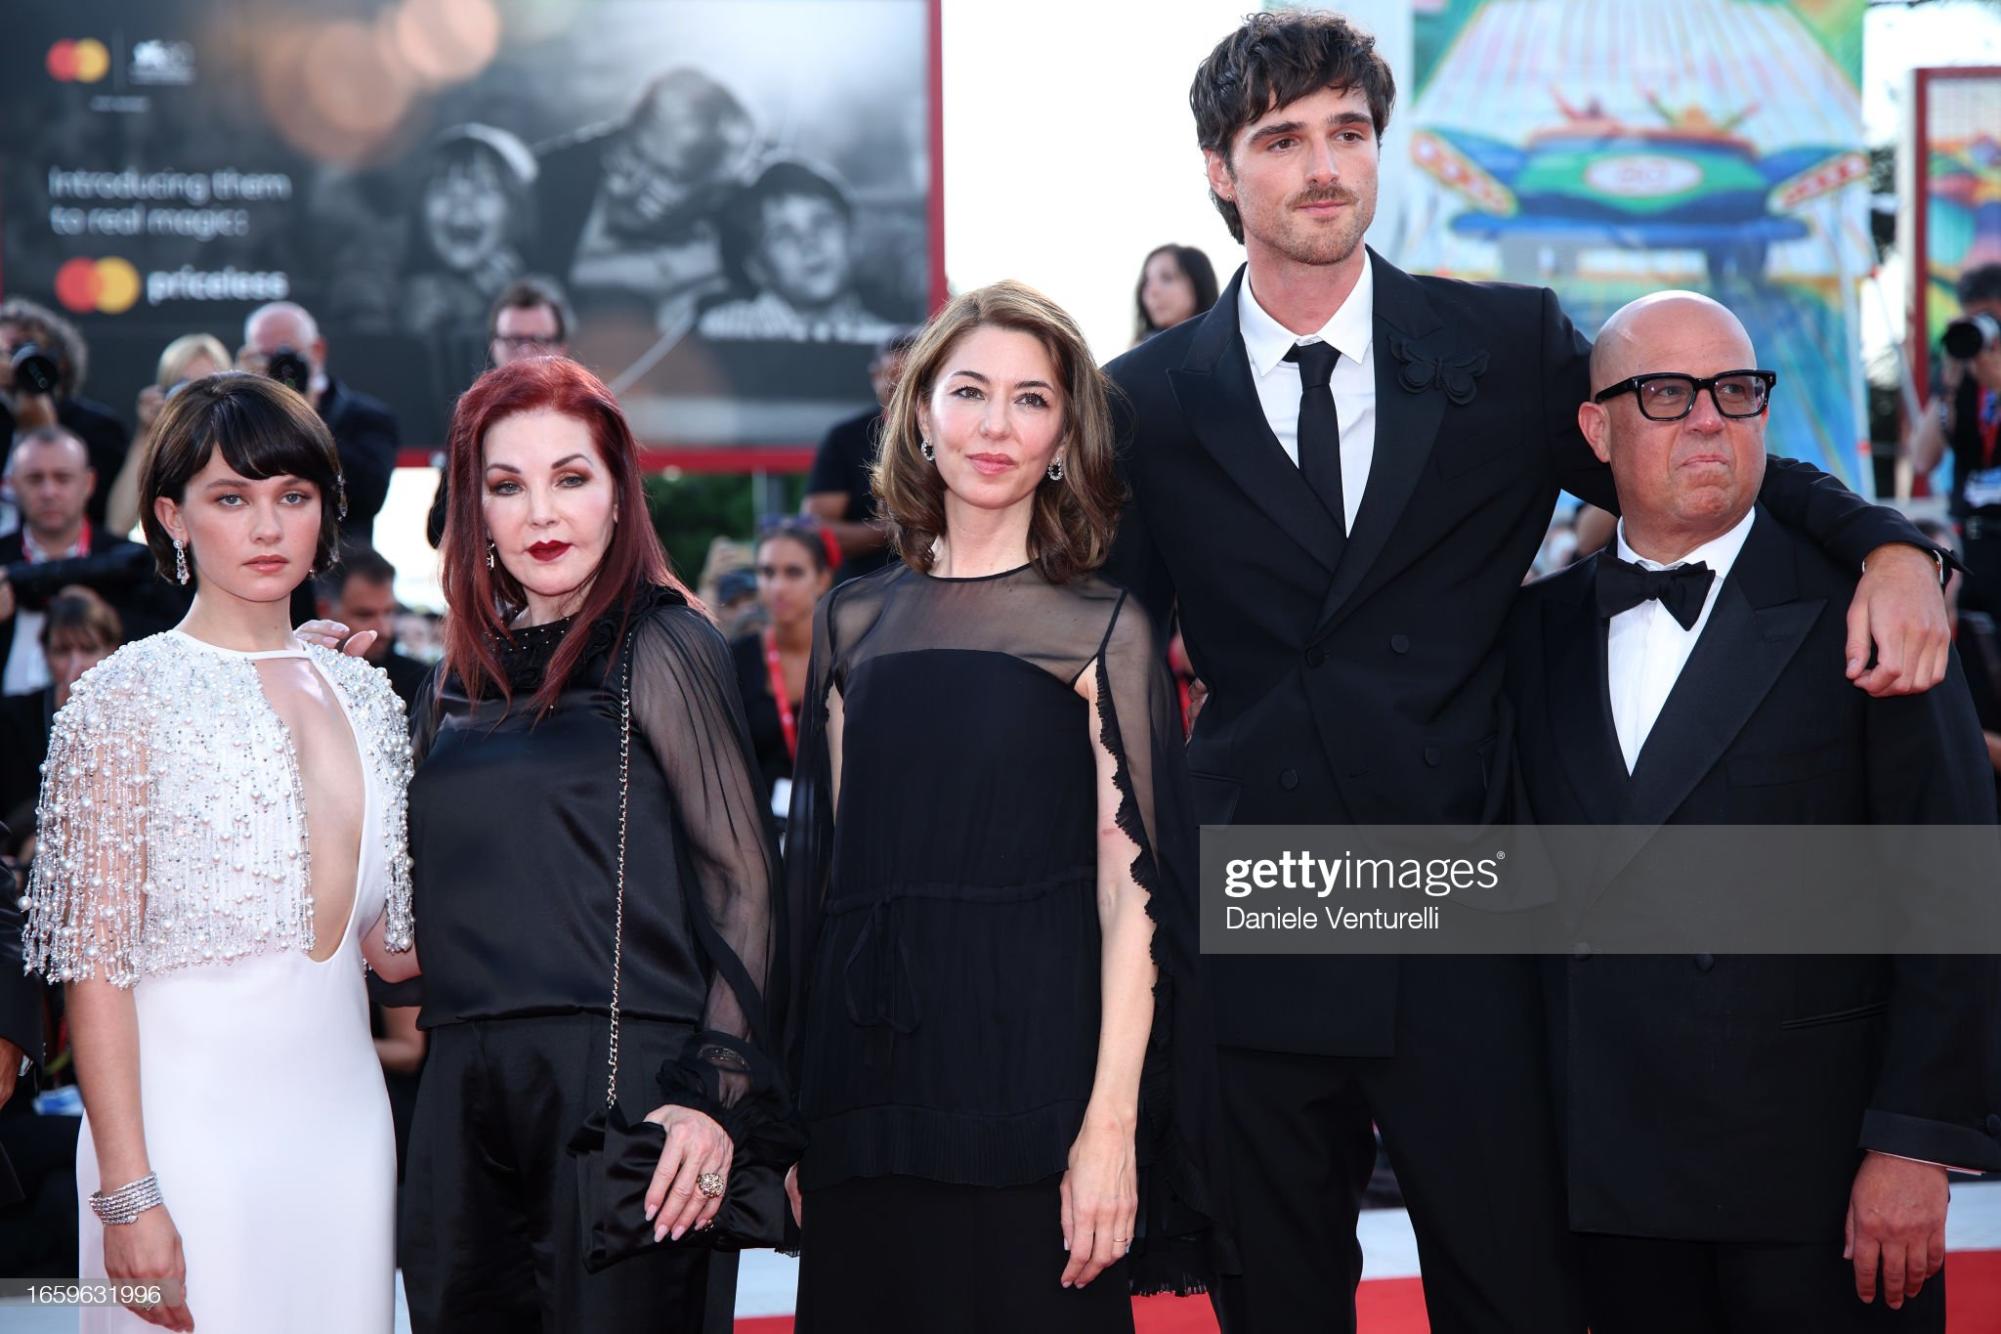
[180, 562]
[489, 555]
[1056, 469]
[925, 448]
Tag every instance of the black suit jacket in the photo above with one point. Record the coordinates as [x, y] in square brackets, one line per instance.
[120, 571]
[1369, 691]
[366, 435]
[20, 1011]
[1725, 1097]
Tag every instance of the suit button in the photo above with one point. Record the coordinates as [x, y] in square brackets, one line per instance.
[1705, 962]
[1431, 754]
[1580, 951]
[1399, 643]
[1315, 656]
[1288, 779]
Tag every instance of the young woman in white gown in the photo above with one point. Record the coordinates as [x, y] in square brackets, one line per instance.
[222, 846]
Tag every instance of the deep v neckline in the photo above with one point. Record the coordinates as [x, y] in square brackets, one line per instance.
[368, 811]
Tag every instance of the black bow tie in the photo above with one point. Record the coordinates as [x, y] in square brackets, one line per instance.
[1623, 585]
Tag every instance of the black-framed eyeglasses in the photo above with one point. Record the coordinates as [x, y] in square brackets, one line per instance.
[1668, 396]
[529, 340]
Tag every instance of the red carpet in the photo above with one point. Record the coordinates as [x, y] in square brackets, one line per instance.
[1396, 1305]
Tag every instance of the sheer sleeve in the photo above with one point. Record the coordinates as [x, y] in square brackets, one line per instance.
[1184, 1234]
[86, 898]
[809, 830]
[685, 706]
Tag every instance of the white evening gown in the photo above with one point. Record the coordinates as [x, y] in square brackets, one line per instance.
[265, 1116]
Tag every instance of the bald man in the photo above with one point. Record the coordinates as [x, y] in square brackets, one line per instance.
[1752, 1142]
[364, 429]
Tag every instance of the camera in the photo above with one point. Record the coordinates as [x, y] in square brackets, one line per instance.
[34, 370]
[290, 369]
[1964, 338]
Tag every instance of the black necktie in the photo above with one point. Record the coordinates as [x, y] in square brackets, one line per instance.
[1320, 427]
[1623, 585]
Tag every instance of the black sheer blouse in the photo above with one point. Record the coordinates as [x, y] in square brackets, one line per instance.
[514, 832]
[942, 904]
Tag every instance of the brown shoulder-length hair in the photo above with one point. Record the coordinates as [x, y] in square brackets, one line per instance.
[1070, 532]
[483, 600]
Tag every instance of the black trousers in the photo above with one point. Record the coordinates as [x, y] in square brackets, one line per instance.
[1465, 1114]
[1641, 1285]
[490, 1239]
[901, 1255]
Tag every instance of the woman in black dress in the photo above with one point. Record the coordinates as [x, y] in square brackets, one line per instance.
[564, 616]
[794, 570]
[1001, 1062]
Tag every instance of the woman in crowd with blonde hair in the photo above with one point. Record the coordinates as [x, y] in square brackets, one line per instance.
[998, 1052]
[189, 357]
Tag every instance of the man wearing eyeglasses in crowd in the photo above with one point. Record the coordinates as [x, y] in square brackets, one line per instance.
[530, 318]
[1751, 1142]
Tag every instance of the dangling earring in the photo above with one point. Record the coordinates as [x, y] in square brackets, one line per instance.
[925, 448]
[180, 562]
[340, 490]
[489, 555]
[1056, 469]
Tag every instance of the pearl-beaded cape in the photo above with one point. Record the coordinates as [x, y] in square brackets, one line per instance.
[171, 831]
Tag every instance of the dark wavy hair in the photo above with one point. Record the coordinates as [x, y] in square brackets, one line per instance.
[1201, 276]
[484, 600]
[1276, 58]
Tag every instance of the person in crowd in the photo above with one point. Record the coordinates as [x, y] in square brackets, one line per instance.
[1341, 473]
[1176, 283]
[78, 631]
[38, 1209]
[1978, 640]
[221, 833]
[628, 210]
[189, 357]
[1965, 418]
[530, 318]
[49, 469]
[24, 323]
[580, 685]
[360, 593]
[795, 568]
[364, 430]
[840, 488]
[788, 254]
[1717, 635]
[989, 884]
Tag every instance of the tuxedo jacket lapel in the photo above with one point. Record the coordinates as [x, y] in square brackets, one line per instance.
[1753, 631]
[1406, 426]
[1220, 403]
[1580, 703]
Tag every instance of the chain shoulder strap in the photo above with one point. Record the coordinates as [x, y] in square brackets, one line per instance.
[624, 810]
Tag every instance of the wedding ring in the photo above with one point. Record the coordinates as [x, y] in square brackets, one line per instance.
[710, 1184]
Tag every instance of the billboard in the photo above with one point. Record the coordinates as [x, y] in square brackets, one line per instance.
[740, 195]
[1610, 148]
[1956, 202]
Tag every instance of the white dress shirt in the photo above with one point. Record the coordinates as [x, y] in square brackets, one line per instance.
[1351, 332]
[1645, 646]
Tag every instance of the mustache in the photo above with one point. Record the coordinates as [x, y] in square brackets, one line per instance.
[1332, 194]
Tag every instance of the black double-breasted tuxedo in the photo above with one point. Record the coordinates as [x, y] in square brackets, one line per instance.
[1727, 1098]
[1368, 688]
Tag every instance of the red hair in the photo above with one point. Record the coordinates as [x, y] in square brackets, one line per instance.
[483, 600]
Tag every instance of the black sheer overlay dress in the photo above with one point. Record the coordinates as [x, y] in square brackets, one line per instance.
[514, 835]
[942, 915]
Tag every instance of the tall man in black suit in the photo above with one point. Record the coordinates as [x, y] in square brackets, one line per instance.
[1746, 1136]
[1341, 474]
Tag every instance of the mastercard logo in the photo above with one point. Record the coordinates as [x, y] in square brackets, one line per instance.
[97, 286]
[84, 61]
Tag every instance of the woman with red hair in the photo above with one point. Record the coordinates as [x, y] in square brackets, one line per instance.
[592, 850]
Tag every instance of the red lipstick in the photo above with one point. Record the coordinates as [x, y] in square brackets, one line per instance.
[548, 551]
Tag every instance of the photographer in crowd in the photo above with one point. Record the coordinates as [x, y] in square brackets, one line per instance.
[1965, 417]
[49, 470]
[282, 340]
[360, 593]
[189, 357]
[43, 360]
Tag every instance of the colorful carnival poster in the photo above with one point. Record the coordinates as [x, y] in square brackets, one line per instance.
[1957, 203]
[1610, 148]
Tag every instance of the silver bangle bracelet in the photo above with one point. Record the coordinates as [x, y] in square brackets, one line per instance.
[125, 1204]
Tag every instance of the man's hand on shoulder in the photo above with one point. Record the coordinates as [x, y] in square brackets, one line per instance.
[1899, 611]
